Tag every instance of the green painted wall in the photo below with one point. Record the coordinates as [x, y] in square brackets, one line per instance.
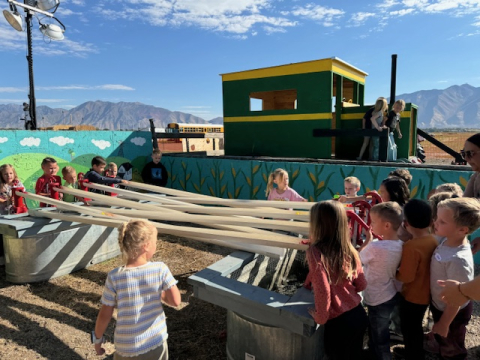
[314, 94]
[247, 178]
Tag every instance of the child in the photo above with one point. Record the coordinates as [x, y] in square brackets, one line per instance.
[70, 176]
[414, 272]
[394, 189]
[453, 188]
[336, 276]
[403, 174]
[380, 260]
[112, 170]
[93, 175]
[154, 172]
[352, 186]
[373, 118]
[452, 259]
[8, 179]
[137, 290]
[393, 119]
[50, 168]
[282, 192]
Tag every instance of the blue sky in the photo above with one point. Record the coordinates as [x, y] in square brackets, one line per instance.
[169, 53]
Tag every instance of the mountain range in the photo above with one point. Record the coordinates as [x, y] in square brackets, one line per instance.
[455, 107]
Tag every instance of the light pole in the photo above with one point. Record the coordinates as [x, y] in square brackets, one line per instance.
[52, 31]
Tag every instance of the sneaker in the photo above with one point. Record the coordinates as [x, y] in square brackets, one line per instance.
[394, 337]
[399, 353]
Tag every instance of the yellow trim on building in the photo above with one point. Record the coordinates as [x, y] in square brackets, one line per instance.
[318, 116]
[357, 116]
[340, 67]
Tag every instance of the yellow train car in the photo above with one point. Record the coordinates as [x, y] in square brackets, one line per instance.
[193, 128]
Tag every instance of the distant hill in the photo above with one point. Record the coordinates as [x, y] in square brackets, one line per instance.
[102, 114]
[455, 107]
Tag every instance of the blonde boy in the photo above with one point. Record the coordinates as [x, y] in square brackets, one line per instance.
[452, 259]
[154, 172]
[351, 186]
[70, 176]
[380, 261]
[112, 170]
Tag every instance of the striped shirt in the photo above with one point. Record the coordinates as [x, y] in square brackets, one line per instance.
[136, 292]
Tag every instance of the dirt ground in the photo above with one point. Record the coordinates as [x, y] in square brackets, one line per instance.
[53, 320]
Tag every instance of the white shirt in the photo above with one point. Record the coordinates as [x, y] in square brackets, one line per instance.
[380, 260]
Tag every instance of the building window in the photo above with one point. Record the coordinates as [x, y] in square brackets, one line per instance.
[273, 100]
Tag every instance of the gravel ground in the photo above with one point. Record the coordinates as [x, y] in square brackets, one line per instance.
[53, 319]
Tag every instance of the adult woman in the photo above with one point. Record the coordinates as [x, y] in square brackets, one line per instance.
[471, 153]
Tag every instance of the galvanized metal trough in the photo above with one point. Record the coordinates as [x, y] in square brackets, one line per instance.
[38, 249]
[261, 324]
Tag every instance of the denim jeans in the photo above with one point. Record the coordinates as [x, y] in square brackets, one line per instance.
[378, 331]
[411, 318]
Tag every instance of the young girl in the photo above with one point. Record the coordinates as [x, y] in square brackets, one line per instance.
[8, 179]
[373, 118]
[394, 189]
[282, 192]
[337, 277]
[137, 289]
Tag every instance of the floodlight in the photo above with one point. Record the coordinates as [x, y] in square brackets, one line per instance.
[14, 19]
[47, 4]
[52, 31]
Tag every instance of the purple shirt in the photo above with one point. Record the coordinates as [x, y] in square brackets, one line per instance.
[288, 195]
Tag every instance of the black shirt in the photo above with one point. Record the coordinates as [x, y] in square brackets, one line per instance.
[155, 174]
[368, 118]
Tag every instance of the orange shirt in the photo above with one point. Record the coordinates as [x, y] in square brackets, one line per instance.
[414, 269]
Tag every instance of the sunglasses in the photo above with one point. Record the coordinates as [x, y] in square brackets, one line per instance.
[468, 154]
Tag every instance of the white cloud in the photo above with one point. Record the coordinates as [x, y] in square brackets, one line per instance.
[87, 87]
[402, 12]
[30, 141]
[324, 15]
[387, 4]
[139, 141]
[359, 18]
[12, 89]
[272, 29]
[3, 140]
[101, 144]
[61, 141]
[230, 16]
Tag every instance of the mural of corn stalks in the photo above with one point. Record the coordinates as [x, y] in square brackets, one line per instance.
[247, 179]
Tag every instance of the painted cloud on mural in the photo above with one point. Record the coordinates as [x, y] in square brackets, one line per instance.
[61, 141]
[139, 141]
[30, 141]
[3, 140]
[101, 144]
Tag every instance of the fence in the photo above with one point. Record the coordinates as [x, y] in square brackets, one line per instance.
[454, 140]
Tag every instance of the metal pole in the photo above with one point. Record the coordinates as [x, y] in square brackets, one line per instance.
[393, 80]
[32, 123]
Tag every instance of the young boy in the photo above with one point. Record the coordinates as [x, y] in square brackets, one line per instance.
[380, 261]
[154, 172]
[112, 170]
[452, 259]
[93, 175]
[352, 186]
[414, 273]
[70, 176]
[42, 187]
[393, 119]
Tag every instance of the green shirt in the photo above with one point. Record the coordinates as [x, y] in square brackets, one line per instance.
[68, 197]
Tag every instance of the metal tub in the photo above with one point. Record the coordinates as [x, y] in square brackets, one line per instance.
[261, 324]
[38, 249]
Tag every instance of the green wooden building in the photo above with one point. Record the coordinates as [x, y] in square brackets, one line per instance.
[273, 111]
